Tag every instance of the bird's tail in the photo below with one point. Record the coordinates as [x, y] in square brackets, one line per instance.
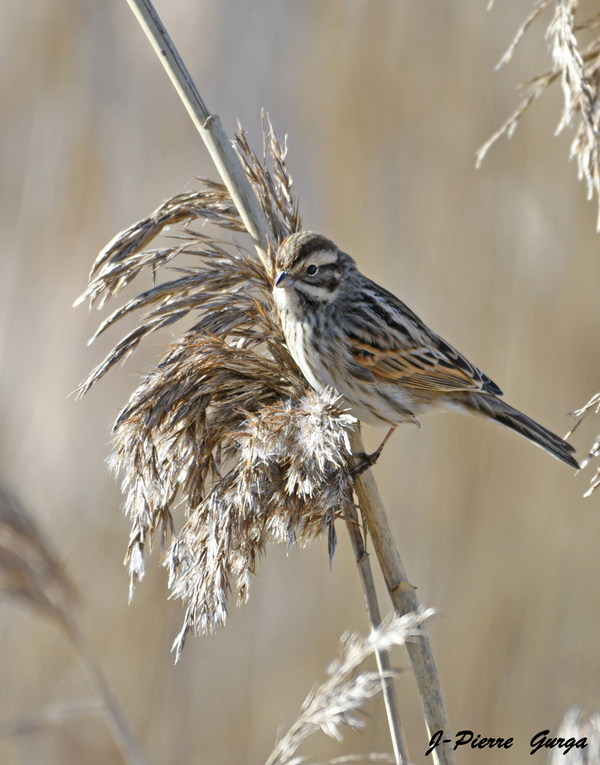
[486, 405]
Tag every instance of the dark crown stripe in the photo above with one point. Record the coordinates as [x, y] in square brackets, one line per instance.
[312, 243]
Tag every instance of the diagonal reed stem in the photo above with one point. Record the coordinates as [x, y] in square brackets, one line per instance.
[374, 616]
[402, 595]
[232, 173]
[210, 128]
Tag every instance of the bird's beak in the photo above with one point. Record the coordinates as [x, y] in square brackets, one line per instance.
[284, 280]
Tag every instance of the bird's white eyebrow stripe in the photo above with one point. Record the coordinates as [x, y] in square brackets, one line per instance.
[323, 257]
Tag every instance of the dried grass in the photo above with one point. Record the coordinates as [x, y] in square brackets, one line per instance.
[29, 571]
[338, 700]
[224, 425]
[579, 73]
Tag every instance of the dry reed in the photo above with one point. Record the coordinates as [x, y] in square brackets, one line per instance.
[52, 716]
[31, 573]
[225, 423]
[338, 700]
[593, 405]
[579, 73]
[252, 202]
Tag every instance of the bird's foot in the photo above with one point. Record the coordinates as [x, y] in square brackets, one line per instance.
[368, 460]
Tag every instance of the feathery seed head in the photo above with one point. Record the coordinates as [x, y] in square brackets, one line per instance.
[338, 700]
[577, 70]
[225, 421]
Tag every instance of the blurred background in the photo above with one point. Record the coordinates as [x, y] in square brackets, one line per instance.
[384, 104]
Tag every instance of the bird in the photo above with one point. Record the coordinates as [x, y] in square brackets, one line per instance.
[348, 333]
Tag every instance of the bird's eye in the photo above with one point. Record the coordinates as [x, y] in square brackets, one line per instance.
[312, 270]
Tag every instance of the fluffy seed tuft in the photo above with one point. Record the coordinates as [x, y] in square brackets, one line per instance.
[225, 424]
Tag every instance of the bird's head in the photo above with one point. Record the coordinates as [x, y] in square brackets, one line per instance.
[312, 267]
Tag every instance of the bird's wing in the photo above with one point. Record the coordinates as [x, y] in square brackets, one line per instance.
[420, 367]
[389, 341]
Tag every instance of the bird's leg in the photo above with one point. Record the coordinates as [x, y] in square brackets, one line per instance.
[368, 460]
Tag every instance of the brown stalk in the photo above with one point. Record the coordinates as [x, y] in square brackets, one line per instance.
[404, 599]
[374, 616]
[210, 128]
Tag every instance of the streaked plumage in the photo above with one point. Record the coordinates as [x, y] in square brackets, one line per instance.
[347, 332]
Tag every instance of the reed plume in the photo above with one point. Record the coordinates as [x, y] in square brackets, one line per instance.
[265, 214]
[224, 423]
[593, 405]
[578, 71]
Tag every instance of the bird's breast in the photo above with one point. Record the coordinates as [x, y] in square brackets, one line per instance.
[299, 338]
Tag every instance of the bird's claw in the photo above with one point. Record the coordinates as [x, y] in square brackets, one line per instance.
[366, 461]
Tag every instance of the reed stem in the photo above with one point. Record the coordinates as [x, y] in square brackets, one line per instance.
[404, 599]
[210, 128]
[374, 616]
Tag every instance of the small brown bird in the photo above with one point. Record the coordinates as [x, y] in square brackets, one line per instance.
[346, 332]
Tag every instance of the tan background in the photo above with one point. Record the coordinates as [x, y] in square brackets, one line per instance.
[385, 103]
